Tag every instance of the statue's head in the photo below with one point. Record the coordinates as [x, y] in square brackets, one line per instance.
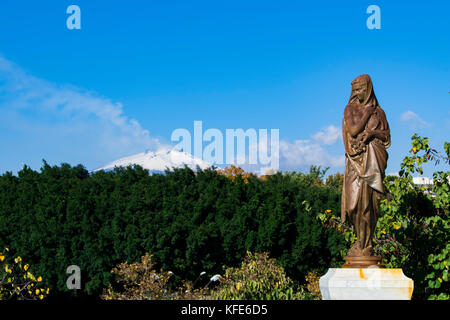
[362, 89]
[359, 90]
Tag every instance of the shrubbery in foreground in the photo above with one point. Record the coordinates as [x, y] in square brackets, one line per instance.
[258, 278]
[16, 280]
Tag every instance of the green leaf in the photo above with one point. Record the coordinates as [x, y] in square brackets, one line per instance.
[443, 296]
[437, 284]
[445, 275]
[430, 276]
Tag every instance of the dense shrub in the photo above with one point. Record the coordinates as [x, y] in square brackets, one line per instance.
[414, 230]
[190, 221]
[140, 281]
[258, 278]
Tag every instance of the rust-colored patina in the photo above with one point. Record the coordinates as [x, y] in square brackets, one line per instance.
[366, 136]
[362, 262]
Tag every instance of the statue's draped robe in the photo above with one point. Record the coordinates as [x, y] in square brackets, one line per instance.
[364, 171]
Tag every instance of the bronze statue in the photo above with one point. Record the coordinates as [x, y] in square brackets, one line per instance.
[366, 136]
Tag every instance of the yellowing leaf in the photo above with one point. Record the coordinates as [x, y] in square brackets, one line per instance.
[397, 225]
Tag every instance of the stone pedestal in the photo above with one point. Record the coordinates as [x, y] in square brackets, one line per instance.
[371, 283]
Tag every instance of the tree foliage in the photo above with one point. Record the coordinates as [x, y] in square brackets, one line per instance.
[140, 281]
[258, 278]
[191, 221]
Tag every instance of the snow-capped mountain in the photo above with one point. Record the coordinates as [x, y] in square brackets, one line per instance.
[159, 161]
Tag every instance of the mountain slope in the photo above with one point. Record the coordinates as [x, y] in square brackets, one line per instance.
[159, 161]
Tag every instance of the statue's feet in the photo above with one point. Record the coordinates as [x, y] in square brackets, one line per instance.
[355, 250]
[367, 252]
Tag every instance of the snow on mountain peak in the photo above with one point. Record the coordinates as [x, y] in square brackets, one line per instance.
[159, 161]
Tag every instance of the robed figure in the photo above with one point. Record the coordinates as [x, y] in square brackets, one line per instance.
[366, 136]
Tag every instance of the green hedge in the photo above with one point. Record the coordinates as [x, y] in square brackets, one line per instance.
[191, 221]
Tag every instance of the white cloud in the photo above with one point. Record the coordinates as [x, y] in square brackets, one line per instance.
[414, 121]
[306, 153]
[394, 174]
[67, 116]
[328, 135]
[301, 154]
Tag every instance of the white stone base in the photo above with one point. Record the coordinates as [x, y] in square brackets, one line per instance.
[371, 283]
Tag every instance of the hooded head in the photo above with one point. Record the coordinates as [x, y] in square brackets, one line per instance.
[362, 91]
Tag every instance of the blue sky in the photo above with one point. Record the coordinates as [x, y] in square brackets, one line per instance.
[137, 70]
